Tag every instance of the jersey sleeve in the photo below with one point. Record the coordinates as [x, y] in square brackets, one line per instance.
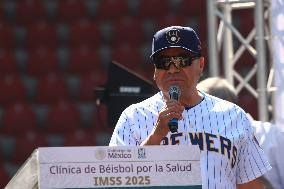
[123, 133]
[252, 163]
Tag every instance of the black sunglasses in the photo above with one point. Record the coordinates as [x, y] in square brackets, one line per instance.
[164, 62]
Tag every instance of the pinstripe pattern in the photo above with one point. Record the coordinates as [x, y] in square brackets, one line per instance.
[229, 154]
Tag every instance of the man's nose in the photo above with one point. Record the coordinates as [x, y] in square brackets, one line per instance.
[173, 68]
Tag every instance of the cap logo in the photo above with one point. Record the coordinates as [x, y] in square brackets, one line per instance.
[173, 36]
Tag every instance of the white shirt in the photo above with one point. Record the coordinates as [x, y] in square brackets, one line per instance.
[222, 131]
[271, 139]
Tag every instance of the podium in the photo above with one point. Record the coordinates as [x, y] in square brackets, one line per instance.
[110, 167]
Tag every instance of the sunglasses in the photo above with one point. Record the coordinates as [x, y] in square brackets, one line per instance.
[181, 61]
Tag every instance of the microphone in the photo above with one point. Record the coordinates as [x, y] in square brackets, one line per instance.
[174, 93]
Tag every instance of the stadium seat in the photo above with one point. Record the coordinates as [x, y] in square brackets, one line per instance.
[18, 118]
[244, 26]
[7, 37]
[103, 138]
[25, 145]
[2, 13]
[51, 89]
[128, 30]
[245, 61]
[192, 8]
[100, 120]
[1, 158]
[8, 63]
[12, 90]
[87, 110]
[80, 138]
[63, 117]
[152, 9]
[4, 177]
[111, 9]
[84, 32]
[28, 11]
[55, 140]
[88, 84]
[42, 33]
[127, 55]
[70, 10]
[83, 59]
[42, 61]
[170, 20]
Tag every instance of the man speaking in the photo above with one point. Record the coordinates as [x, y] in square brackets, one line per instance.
[229, 155]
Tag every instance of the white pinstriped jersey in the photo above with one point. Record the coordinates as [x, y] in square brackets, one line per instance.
[229, 152]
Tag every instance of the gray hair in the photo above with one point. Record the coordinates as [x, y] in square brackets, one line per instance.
[219, 87]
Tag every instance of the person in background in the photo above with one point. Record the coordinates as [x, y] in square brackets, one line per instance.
[178, 65]
[270, 138]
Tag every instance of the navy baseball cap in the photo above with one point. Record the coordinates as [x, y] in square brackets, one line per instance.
[176, 36]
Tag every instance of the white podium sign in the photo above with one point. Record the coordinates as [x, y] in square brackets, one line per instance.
[105, 167]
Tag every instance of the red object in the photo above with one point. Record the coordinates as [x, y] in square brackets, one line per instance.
[25, 145]
[153, 8]
[246, 25]
[84, 32]
[88, 84]
[80, 138]
[42, 61]
[100, 120]
[7, 37]
[12, 90]
[19, 118]
[28, 11]
[110, 9]
[128, 56]
[40, 34]
[83, 60]
[70, 10]
[128, 30]
[7, 62]
[170, 20]
[192, 8]
[63, 117]
[249, 103]
[4, 177]
[51, 89]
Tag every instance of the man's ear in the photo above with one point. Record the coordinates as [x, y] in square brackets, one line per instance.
[201, 63]
[154, 75]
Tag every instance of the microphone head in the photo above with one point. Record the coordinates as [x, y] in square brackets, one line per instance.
[174, 92]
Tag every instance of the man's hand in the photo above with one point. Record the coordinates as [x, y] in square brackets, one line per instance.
[172, 109]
